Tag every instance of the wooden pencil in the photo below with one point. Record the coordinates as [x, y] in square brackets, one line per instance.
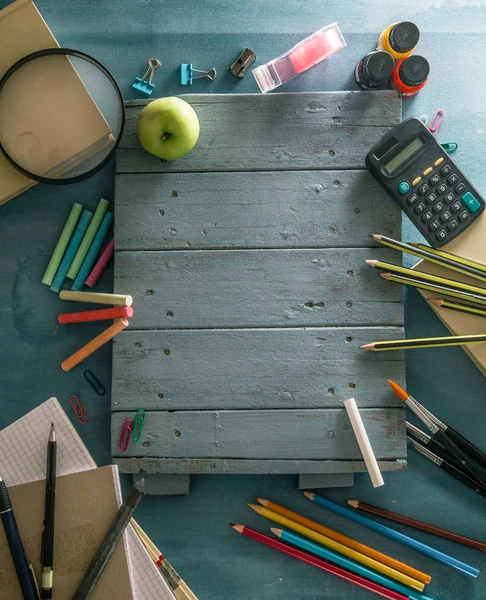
[345, 540]
[448, 535]
[434, 342]
[465, 308]
[431, 255]
[318, 562]
[442, 254]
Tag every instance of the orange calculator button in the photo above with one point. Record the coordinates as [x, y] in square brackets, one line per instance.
[438, 161]
[416, 180]
[427, 171]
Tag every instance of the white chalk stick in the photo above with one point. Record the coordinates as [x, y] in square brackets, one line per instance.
[364, 442]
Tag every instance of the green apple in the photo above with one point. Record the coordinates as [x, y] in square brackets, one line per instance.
[168, 128]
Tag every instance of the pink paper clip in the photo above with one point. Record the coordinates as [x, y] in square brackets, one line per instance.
[79, 411]
[125, 434]
[436, 121]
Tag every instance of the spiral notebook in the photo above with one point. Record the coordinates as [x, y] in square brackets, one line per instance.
[22, 459]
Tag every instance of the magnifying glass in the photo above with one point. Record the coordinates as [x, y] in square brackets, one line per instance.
[61, 115]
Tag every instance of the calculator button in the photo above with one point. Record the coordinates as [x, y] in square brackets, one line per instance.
[431, 198]
[446, 170]
[441, 235]
[441, 189]
[439, 161]
[427, 171]
[463, 216]
[445, 216]
[403, 187]
[457, 206]
[416, 180]
[434, 180]
[434, 226]
[460, 188]
[453, 179]
[452, 225]
[449, 197]
[427, 217]
[419, 209]
[413, 198]
[423, 189]
[438, 207]
[471, 202]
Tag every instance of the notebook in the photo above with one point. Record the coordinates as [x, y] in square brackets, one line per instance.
[86, 504]
[23, 31]
[22, 459]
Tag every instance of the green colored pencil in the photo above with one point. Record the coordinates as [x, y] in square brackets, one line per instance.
[434, 342]
[465, 308]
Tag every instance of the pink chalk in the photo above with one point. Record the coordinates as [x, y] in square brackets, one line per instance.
[101, 265]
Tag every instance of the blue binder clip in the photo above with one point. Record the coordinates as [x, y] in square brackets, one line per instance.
[141, 84]
[186, 74]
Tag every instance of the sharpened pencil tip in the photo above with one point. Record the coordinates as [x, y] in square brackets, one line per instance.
[276, 531]
[238, 528]
[377, 236]
[232, 524]
[437, 301]
[385, 275]
[399, 391]
[255, 507]
[414, 244]
[353, 503]
[262, 501]
[52, 434]
[368, 347]
[309, 495]
[371, 263]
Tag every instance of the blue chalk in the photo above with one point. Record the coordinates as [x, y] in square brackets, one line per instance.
[143, 86]
[71, 250]
[92, 253]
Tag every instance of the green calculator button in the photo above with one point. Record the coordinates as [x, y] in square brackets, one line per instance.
[471, 202]
[403, 187]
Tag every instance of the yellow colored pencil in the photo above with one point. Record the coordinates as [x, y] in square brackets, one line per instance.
[341, 548]
[345, 540]
[433, 342]
[473, 289]
[448, 255]
[465, 308]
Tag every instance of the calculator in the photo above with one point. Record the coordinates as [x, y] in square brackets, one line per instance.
[423, 180]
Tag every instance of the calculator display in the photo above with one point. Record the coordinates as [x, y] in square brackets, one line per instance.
[403, 155]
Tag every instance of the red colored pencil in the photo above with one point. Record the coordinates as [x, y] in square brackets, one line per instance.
[101, 265]
[318, 562]
[105, 314]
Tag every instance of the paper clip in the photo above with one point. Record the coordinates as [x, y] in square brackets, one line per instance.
[125, 434]
[141, 84]
[94, 382]
[436, 121]
[424, 119]
[450, 146]
[138, 424]
[79, 411]
[186, 74]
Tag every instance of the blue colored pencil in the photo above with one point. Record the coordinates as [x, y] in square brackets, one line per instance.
[71, 250]
[346, 563]
[92, 253]
[393, 534]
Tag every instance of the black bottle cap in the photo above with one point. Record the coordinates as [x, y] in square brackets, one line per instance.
[378, 66]
[404, 36]
[414, 70]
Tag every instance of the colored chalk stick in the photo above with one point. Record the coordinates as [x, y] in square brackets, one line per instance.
[92, 253]
[97, 298]
[62, 244]
[71, 250]
[105, 314]
[88, 238]
[101, 265]
[94, 344]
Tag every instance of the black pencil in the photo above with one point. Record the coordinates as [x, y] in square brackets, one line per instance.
[47, 549]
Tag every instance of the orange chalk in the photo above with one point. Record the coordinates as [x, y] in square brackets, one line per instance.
[97, 342]
[105, 314]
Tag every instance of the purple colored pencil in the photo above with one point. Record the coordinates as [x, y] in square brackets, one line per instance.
[101, 265]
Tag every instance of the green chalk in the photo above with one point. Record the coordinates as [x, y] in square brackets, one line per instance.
[62, 244]
[88, 238]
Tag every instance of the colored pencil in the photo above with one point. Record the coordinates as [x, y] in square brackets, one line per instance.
[393, 534]
[449, 256]
[101, 265]
[105, 314]
[441, 436]
[96, 298]
[434, 342]
[433, 287]
[428, 254]
[458, 306]
[345, 563]
[338, 547]
[318, 562]
[392, 516]
[96, 343]
[345, 540]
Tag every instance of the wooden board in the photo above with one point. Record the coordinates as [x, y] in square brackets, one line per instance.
[245, 259]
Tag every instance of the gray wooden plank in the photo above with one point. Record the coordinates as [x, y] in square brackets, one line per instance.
[251, 288]
[157, 484]
[289, 209]
[284, 434]
[247, 132]
[248, 467]
[253, 369]
[308, 481]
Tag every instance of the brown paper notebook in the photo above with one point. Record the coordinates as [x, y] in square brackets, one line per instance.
[22, 31]
[86, 504]
[472, 245]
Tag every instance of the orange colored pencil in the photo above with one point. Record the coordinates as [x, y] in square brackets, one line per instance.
[346, 541]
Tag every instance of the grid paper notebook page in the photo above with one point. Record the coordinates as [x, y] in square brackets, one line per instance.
[23, 459]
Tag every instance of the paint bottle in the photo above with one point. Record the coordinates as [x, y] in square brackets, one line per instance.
[374, 70]
[399, 39]
[410, 75]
